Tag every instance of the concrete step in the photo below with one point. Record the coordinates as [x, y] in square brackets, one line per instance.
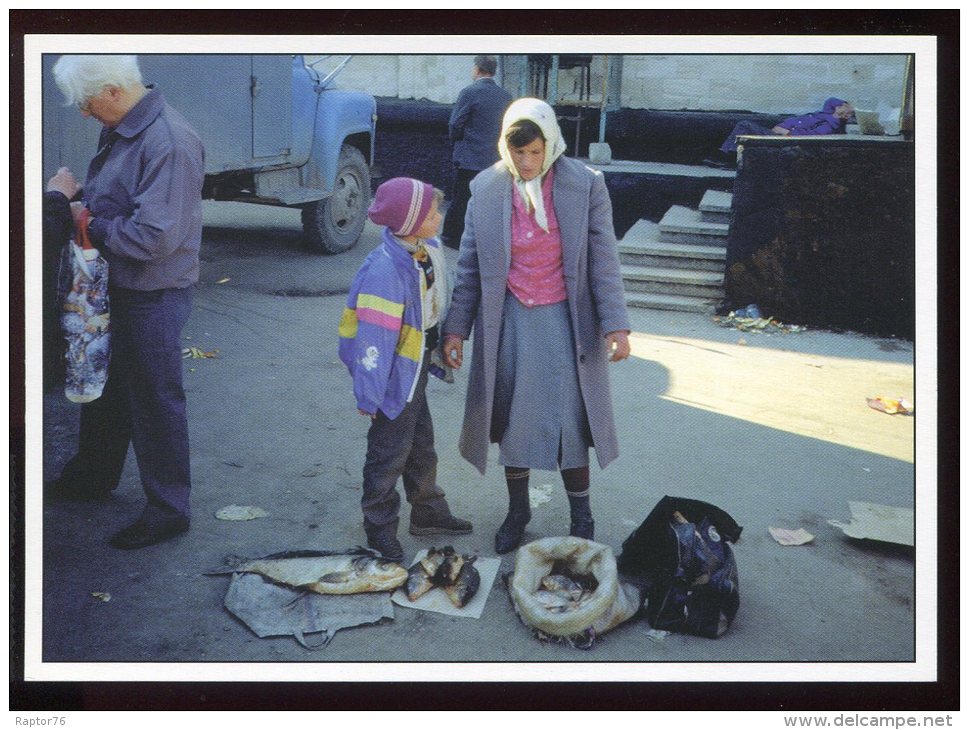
[715, 206]
[641, 246]
[685, 225]
[670, 302]
[681, 282]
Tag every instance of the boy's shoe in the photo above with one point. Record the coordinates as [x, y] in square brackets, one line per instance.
[425, 523]
[388, 546]
[383, 539]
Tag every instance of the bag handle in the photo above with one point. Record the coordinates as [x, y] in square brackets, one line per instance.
[80, 229]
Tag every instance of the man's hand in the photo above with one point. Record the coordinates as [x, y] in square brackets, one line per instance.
[453, 351]
[64, 182]
[618, 345]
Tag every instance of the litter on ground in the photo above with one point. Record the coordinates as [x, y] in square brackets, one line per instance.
[539, 495]
[240, 512]
[800, 536]
[892, 406]
[766, 325]
[195, 353]
[879, 522]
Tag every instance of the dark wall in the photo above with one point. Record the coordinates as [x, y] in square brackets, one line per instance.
[823, 233]
[412, 140]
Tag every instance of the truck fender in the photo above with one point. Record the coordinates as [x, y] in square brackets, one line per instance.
[341, 116]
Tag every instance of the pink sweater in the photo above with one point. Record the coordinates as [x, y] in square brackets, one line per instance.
[536, 276]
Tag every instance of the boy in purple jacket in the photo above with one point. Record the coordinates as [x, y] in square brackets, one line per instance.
[389, 329]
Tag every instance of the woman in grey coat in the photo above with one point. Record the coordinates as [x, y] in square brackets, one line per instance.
[538, 281]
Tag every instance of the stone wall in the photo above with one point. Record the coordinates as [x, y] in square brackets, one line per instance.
[770, 84]
[823, 233]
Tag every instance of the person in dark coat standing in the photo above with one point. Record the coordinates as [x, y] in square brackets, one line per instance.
[474, 128]
[539, 283]
[143, 196]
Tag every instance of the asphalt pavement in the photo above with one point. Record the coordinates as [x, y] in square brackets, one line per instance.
[774, 428]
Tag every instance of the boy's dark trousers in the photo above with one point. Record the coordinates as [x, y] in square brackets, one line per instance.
[404, 447]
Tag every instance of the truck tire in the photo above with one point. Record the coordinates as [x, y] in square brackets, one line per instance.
[334, 224]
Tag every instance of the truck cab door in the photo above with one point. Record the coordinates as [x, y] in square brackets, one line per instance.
[272, 106]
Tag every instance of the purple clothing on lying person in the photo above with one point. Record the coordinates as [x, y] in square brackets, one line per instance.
[814, 123]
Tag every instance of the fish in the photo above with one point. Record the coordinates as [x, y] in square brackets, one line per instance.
[449, 570]
[553, 601]
[358, 570]
[418, 581]
[563, 586]
[434, 558]
[465, 585]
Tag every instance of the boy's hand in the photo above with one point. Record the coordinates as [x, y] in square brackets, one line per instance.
[364, 413]
[453, 351]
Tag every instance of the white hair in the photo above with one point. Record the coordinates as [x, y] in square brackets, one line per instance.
[80, 77]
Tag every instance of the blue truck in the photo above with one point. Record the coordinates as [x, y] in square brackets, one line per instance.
[276, 132]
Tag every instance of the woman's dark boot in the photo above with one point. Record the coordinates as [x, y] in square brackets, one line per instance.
[512, 531]
[577, 488]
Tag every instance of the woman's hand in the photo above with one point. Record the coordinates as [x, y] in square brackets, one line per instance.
[618, 345]
[362, 412]
[453, 351]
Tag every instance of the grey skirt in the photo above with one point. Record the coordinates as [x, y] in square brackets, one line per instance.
[539, 418]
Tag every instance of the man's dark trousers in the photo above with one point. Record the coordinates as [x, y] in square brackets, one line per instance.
[461, 193]
[143, 403]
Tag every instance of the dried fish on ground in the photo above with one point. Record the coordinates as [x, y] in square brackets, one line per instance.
[447, 569]
[465, 585]
[329, 572]
[434, 558]
[418, 581]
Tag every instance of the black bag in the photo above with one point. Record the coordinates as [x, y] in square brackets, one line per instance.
[683, 551]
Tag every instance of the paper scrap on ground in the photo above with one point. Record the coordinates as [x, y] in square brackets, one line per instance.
[879, 522]
[196, 353]
[436, 600]
[891, 405]
[539, 495]
[240, 512]
[657, 635]
[800, 536]
[105, 597]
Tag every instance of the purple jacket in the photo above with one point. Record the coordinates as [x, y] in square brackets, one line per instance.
[822, 122]
[382, 328]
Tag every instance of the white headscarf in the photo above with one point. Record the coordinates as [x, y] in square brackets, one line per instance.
[543, 115]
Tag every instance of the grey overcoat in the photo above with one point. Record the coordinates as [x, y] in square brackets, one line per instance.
[593, 281]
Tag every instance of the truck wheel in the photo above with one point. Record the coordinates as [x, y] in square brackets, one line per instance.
[334, 224]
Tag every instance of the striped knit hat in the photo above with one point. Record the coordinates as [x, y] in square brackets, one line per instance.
[401, 204]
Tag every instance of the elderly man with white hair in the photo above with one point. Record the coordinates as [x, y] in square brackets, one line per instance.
[142, 204]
